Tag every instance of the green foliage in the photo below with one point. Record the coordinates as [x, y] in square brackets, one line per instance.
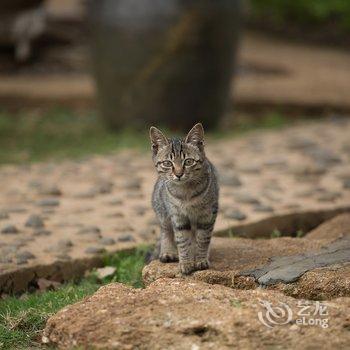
[303, 12]
[59, 133]
[276, 233]
[22, 319]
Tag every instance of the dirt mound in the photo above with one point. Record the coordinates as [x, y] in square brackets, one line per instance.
[179, 314]
[334, 228]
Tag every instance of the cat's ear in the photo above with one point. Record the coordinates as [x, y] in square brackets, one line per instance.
[196, 136]
[158, 140]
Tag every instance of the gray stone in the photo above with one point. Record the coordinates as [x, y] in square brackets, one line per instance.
[132, 184]
[300, 143]
[34, 221]
[49, 202]
[117, 214]
[250, 169]
[63, 256]
[50, 191]
[6, 260]
[42, 232]
[346, 184]
[23, 257]
[323, 157]
[90, 230]
[288, 269]
[140, 210]
[86, 195]
[263, 208]
[107, 241]
[103, 187]
[4, 215]
[135, 195]
[26, 254]
[95, 250]
[245, 198]
[64, 243]
[329, 196]
[276, 162]
[229, 180]
[116, 201]
[16, 210]
[235, 214]
[10, 229]
[126, 238]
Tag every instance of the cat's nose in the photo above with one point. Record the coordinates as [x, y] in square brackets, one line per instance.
[178, 172]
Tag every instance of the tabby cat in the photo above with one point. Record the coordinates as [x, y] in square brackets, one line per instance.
[185, 198]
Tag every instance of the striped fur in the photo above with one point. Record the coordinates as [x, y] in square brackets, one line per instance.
[185, 198]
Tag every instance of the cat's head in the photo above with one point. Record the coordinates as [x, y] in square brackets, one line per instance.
[176, 159]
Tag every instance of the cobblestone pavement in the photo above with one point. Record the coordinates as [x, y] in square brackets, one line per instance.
[58, 214]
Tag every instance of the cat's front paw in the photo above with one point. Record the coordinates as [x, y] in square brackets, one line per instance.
[187, 267]
[168, 257]
[202, 264]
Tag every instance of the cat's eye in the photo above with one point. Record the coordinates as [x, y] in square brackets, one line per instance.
[189, 162]
[167, 163]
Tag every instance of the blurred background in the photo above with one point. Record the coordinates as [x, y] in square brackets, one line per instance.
[91, 76]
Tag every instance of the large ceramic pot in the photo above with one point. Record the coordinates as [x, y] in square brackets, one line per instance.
[163, 62]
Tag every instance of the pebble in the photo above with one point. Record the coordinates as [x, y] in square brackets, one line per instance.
[107, 241]
[245, 198]
[329, 196]
[346, 184]
[116, 201]
[135, 195]
[140, 210]
[250, 169]
[90, 230]
[10, 229]
[323, 157]
[300, 143]
[94, 250]
[42, 232]
[16, 210]
[132, 184]
[277, 162]
[23, 257]
[103, 187]
[49, 202]
[126, 238]
[235, 214]
[117, 214]
[50, 191]
[63, 256]
[34, 221]
[230, 180]
[263, 208]
[64, 243]
[4, 215]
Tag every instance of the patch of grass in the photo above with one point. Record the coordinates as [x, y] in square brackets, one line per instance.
[59, 134]
[235, 303]
[275, 234]
[22, 319]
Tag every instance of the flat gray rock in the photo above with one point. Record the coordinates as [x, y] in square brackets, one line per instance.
[288, 269]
